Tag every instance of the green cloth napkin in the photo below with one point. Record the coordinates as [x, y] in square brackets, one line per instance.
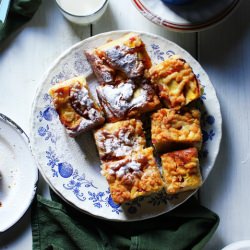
[20, 12]
[57, 226]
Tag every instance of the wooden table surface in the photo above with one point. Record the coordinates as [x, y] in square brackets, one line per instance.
[223, 51]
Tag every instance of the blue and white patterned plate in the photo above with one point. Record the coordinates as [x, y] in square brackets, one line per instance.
[72, 167]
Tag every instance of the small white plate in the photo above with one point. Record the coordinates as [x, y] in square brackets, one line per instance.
[72, 166]
[19, 173]
[239, 245]
[195, 16]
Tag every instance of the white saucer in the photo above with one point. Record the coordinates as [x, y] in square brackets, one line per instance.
[19, 173]
[239, 245]
[195, 16]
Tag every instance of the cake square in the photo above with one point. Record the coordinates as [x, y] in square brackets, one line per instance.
[136, 175]
[77, 110]
[115, 141]
[180, 170]
[175, 82]
[127, 99]
[172, 129]
[124, 58]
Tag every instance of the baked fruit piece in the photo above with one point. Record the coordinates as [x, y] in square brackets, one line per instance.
[77, 111]
[124, 58]
[172, 129]
[175, 82]
[127, 99]
[134, 176]
[115, 141]
[180, 170]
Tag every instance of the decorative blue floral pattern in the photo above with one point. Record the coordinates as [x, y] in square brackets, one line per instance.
[207, 122]
[65, 74]
[208, 135]
[170, 53]
[45, 132]
[82, 179]
[76, 183]
[98, 199]
[75, 187]
[161, 197]
[115, 207]
[156, 51]
[104, 198]
[210, 120]
[81, 65]
[48, 114]
[65, 169]
[135, 205]
[53, 161]
[58, 78]
[47, 97]
[204, 153]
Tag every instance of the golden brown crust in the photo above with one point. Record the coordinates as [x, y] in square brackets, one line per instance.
[134, 176]
[173, 129]
[117, 140]
[123, 58]
[181, 170]
[77, 111]
[127, 100]
[175, 82]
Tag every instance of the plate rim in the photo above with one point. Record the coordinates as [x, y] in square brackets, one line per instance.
[183, 27]
[40, 86]
[34, 182]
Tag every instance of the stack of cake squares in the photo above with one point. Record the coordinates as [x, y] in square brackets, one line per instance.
[129, 87]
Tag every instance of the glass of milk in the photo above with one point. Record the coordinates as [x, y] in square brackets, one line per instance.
[82, 12]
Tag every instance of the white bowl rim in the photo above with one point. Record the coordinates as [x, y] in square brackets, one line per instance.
[73, 15]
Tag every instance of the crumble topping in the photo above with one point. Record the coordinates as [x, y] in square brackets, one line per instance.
[181, 170]
[176, 83]
[171, 129]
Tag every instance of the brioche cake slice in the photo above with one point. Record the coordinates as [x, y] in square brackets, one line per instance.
[172, 129]
[117, 140]
[175, 82]
[77, 110]
[125, 58]
[134, 176]
[180, 170]
[127, 99]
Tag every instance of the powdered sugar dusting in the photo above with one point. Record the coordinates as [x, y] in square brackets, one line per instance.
[123, 59]
[82, 96]
[120, 169]
[83, 104]
[119, 97]
[124, 97]
[121, 144]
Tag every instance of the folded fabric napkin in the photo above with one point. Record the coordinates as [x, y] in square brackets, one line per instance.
[20, 12]
[57, 226]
